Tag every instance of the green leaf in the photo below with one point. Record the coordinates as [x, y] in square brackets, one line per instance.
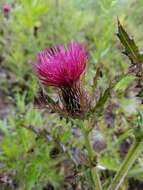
[101, 102]
[131, 49]
[66, 136]
[32, 175]
[124, 82]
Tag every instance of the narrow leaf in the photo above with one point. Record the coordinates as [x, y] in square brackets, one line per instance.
[124, 82]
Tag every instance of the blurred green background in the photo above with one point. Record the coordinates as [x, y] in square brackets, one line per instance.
[31, 26]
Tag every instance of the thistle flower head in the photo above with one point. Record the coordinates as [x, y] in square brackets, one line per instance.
[61, 66]
[6, 8]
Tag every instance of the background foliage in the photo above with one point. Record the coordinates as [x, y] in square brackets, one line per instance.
[27, 159]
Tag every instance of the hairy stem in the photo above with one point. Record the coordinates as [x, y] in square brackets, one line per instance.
[93, 170]
[132, 155]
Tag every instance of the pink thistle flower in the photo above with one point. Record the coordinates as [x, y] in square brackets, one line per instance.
[62, 67]
[6, 8]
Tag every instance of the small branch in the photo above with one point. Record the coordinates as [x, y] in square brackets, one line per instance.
[95, 80]
[93, 170]
[132, 155]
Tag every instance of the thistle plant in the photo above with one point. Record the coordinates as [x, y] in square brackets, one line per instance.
[63, 67]
[79, 125]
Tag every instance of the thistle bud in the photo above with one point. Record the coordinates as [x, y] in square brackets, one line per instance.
[6, 9]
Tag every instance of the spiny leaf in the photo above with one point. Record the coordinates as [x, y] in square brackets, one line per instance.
[131, 49]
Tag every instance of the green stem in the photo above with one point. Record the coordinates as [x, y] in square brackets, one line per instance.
[93, 170]
[132, 155]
